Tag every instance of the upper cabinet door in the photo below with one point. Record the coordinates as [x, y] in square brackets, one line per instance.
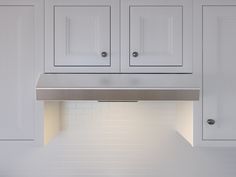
[219, 73]
[17, 71]
[82, 36]
[157, 36]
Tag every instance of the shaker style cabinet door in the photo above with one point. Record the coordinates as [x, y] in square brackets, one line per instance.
[81, 36]
[219, 73]
[156, 36]
[17, 62]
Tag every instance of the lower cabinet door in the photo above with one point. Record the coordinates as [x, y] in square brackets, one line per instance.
[17, 98]
[219, 72]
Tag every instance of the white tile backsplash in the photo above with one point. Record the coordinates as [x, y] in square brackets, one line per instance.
[117, 140]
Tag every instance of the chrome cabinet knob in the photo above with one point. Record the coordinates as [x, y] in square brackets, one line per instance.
[211, 121]
[135, 54]
[104, 54]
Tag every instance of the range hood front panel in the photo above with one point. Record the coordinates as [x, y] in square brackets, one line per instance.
[120, 94]
[105, 88]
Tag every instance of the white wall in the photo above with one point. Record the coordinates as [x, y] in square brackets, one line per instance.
[117, 140]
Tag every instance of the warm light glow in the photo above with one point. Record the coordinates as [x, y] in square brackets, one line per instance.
[184, 123]
[131, 121]
[52, 122]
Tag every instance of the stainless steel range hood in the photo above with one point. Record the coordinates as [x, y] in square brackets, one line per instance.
[108, 87]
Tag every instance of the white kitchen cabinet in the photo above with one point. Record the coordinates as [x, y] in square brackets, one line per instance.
[85, 37]
[211, 121]
[219, 73]
[18, 69]
[82, 36]
[156, 36]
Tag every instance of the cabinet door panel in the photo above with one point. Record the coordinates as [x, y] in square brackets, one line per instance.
[81, 35]
[156, 34]
[17, 55]
[219, 73]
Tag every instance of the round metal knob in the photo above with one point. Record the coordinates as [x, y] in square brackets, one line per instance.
[211, 121]
[135, 54]
[104, 54]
